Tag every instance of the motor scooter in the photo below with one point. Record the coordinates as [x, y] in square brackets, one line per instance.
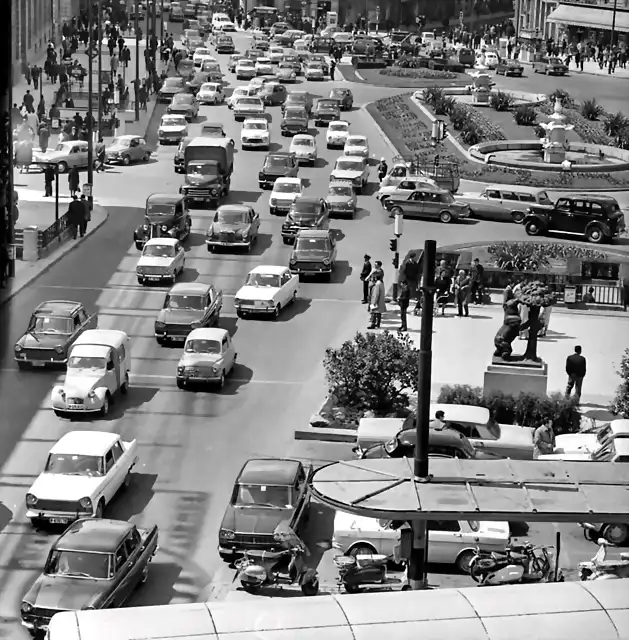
[368, 571]
[600, 568]
[617, 533]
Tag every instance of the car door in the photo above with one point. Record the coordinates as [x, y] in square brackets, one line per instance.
[135, 566]
[228, 353]
[179, 256]
[406, 187]
[122, 571]
[81, 153]
[562, 216]
[445, 541]
[489, 205]
[414, 205]
[120, 468]
[286, 290]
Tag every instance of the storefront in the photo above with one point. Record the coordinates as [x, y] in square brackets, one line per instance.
[591, 21]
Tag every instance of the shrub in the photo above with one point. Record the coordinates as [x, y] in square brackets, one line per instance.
[443, 106]
[471, 135]
[501, 101]
[373, 372]
[486, 129]
[620, 405]
[537, 256]
[418, 74]
[459, 117]
[540, 132]
[565, 99]
[591, 110]
[525, 116]
[438, 64]
[430, 95]
[616, 124]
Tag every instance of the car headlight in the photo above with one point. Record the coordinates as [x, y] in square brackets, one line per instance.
[357, 180]
[164, 228]
[272, 202]
[160, 326]
[18, 348]
[91, 395]
[326, 262]
[180, 368]
[86, 504]
[293, 261]
[59, 349]
[261, 175]
[227, 534]
[140, 271]
[26, 607]
[292, 75]
[214, 192]
[237, 301]
[31, 500]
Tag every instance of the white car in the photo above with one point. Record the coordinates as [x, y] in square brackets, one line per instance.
[276, 54]
[221, 22]
[591, 442]
[172, 129]
[248, 107]
[211, 93]
[405, 188]
[245, 69]
[449, 542]
[202, 55]
[491, 59]
[285, 192]
[356, 146]
[241, 92]
[354, 169]
[314, 71]
[257, 83]
[337, 134]
[84, 471]
[161, 259]
[304, 146]
[267, 290]
[264, 67]
[255, 134]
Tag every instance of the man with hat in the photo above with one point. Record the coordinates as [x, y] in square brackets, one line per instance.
[364, 276]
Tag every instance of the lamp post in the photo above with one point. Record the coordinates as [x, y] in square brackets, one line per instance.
[613, 37]
[137, 61]
[161, 22]
[99, 44]
[90, 107]
[154, 18]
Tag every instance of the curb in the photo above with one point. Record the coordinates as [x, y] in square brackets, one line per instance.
[584, 73]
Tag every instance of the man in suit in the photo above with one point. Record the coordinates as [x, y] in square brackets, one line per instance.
[364, 276]
[576, 370]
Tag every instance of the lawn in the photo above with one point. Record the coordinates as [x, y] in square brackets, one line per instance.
[375, 77]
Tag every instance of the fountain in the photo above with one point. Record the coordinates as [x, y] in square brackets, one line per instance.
[555, 145]
[481, 87]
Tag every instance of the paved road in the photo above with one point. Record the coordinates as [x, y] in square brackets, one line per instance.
[191, 443]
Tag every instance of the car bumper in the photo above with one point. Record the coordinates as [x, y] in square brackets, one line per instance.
[55, 517]
[243, 115]
[304, 158]
[310, 271]
[293, 132]
[171, 138]
[260, 307]
[258, 143]
[342, 211]
[155, 277]
[235, 243]
[268, 181]
[199, 377]
[280, 207]
[90, 405]
[42, 362]
[336, 142]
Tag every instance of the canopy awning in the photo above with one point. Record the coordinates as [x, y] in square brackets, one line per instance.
[529, 491]
[581, 16]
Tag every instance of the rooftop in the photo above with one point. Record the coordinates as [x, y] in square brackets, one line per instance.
[57, 307]
[164, 198]
[269, 269]
[159, 241]
[190, 288]
[85, 443]
[102, 337]
[275, 471]
[94, 535]
[208, 333]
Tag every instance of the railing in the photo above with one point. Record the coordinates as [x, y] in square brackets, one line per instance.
[53, 232]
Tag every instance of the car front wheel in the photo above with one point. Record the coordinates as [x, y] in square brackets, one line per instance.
[533, 228]
[595, 235]
[126, 160]
[445, 217]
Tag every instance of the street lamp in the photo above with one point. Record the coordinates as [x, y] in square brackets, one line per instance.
[613, 36]
[137, 60]
[90, 107]
[100, 68]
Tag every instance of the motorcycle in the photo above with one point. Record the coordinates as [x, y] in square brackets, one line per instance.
[616, 533]
[600, 568]
[368, 571]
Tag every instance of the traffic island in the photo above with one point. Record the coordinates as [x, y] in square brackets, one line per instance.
[397, 78]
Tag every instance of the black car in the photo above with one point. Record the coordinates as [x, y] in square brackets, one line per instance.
[171, 87]
[326, 110]
[597, 218]
[307, 212]
[294, 121]
[277, 165]
[194, 84]
[225, 44]
[509, 67]
[321, 44]
[166, 216]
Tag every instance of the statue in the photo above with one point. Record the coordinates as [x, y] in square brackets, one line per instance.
[511, 327]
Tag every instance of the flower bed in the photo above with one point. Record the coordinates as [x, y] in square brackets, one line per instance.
[418, 73]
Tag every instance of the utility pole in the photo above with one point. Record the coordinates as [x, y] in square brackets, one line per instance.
[137, 61]
[154, 14]
[90, 106]
[99, 44]
[394, 245]
[161, 23]
[613, 37]
[419, 552]
[148, 23]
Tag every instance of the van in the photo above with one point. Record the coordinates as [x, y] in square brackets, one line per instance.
[444, 174]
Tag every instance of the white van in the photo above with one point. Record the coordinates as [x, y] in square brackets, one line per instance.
[221, 22]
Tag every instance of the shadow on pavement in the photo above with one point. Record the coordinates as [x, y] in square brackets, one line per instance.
[132, 501]
[240, 376]
[160, 588]
[243, 196]
[5, 515]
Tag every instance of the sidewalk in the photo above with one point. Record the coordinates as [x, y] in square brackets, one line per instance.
[591, 68]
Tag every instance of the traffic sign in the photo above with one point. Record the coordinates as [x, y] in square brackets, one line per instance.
[87, 190]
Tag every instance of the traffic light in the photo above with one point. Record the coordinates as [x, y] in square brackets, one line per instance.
[393, 244]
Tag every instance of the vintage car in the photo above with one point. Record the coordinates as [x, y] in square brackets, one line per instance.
[273, 93]
[201, 55]
[208, 357]
[186, 69]
[211, 93]
[510, 67]
[255, 134]
[245, 69]
[466, 57]
[279, 28]
[403, 190]
[258, 83]
[591, 442]
[94, 564]
[337, 134]
[321, 44]
[194, 84]
[266, 493]
[194, 43]
[261, 41]
[277, 165]
[285, 72]
[240, 92]
[304, 146]
[264, 67]
[187, 306]
[83, 472]
[503, 203]
[225, 44]
[325, 111]
[162, 259]
[172, 129]
[187, 35]
[550, 66]
[344, 97]
[314, 253]
[314, 57]
[248, 107]
[356, 146]
[184, 104]
[341, 200]
[352, 169]
[294, 121]
[52, 329]
[176, 13]
[285, 192]
[300, 99]
[314, 71]
[430, 203]
[611, 451]
[127, 149]
[178, 158]
[66, 155]
[449, 541]
[491, 59]
[267, 290]
[171, 87]
[166, 216]
[99, 367]
[234, 59]
[276, 54]
[306, 212]
[233, 226]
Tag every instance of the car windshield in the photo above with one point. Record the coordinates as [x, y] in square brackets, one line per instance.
[349, 165]
[209, 86]
[297, 114]
[173, 83]
[74, 465]
[86, 362]
[279, 161]
[202, 169]
[356, 142]
[202, 52]
[264, 61]
[250, 101]
[305, 208]
[159, 251]
[184, 301]
[341, 190]
[328, 104]
[80, 564]
[263, 280]
[338, 126]
[303, 142]
[287, 187]
[246, 63]
[250, 495]
[555, 61]
[231, 217]
[203, 346]
[50, 324]
[120, 142]
[312, 244]
[257, 125]
[173, 122]
[182, 98]
[160, 209]
[285, 65]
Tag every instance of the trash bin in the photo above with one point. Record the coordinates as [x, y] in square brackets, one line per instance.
[570, 294]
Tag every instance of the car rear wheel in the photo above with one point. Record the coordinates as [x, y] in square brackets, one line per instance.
[104, 410]
[533, 228]
[62, 167]
[221, 381]
[445, 217]
[464, 560]
[617, 534]
[517, 216]
[595, 235]
[361, 550]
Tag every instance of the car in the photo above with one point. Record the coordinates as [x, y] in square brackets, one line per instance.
[276, 54]
[306, 212]
[194, 43]
[344, 97]
[510, 67]
[449, 541]
[285, 72]
[84, 471]
[52, 329]
[403, 189]
[430, 203]
[304, 146]
[211, 93]
[94, 564]
[293, 61]
[492, 60]
[165, 215]
[294, 121]
[504, 204]
[337, 134]
[595, 217]
[285, 192]
[267, 290]
[356, 146]
[214, 130]
[208, 357]
[314, 71]
[194, 84]
[212, 72]
[247, 106]
[99, 366]
[201, 55]
[173, 128]
[325, 111]
[592, 442]
[127, 149]
[616, 451]
[264, 67]
[267, 492]
[176, 14]
[245, 69]
[233, 226]
[190, 10]
[185, 69]
[258, 84]
[298, 99]
[287, 38]
[234, 59]
[260, 41]
[280, 164]
[255, 134]
[352, 169]
[184, 104]
[341, 200]
[467, 57]
[225, 44]
[315, 57]
[66, 155]
[314, 253]
[550, 66]
[278, 28]
[226, 25]
[273, 93]
[171, 87]
[161, 259]
[240, 92]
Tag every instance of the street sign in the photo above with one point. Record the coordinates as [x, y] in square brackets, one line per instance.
[87, 190]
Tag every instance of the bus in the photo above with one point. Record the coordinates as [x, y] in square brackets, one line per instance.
[596, 610]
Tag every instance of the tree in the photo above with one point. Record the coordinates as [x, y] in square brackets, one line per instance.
[373, 372]
[620, 405]
[536, 296]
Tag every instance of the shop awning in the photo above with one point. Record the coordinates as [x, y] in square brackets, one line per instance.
[581, 16]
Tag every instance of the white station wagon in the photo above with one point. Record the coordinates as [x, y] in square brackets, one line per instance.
[267, 289]
[161, 259]
[84, 471]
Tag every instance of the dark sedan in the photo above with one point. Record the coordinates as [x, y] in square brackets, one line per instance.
[277, 165]
[170, 88]
[344, 97]
[294, 121]
[508, 67]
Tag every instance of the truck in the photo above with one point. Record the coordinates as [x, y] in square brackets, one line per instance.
[208, 165]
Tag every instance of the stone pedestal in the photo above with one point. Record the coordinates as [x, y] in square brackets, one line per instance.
[513, 378]
[554, 155]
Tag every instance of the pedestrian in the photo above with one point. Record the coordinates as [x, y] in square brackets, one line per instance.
[101, 155]
[28, 101]
[410, 272]
[403, 300]
[332, 69]
[439, 423]
[26, 70]
[73, 182]
[462, 293]
[75, 215]
[476, 276]
[364, 276]
[44, 137]
[36, 75]
[443, 286]
[377, 302]
[49, 177]
[576, 368]
[87, 215]
[41, 109]
[588, 298]
[543, 439]
[377, 269]
[382, 169]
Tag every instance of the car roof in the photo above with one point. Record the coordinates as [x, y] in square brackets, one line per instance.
[269, 269]
[234, 207]
[208, 333]
[281, 154]
[288, 181]
[339, 122]
[436, 437]
[170, 241]
[255, 120]
[273, 471]
[101, 337]
[164, 198]
[93, 534]
[128, 136]
[87, 443]
[357, 135]
[190, 288]
[461, 413]
[177, 116]
[354, 158]
[515, 188]
[313, 233]
[57, 307]
[303, 136]
[593, 196]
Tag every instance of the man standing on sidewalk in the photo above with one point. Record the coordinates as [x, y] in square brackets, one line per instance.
[76, 214]
[576, 367]
[364, 276]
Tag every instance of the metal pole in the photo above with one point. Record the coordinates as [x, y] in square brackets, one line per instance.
[57, 193]
[100, 69]
[137, 61]
[419, 553]
[154, 16]
[148, 24]
[161, 22]
[90, 108]
[611, 44]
